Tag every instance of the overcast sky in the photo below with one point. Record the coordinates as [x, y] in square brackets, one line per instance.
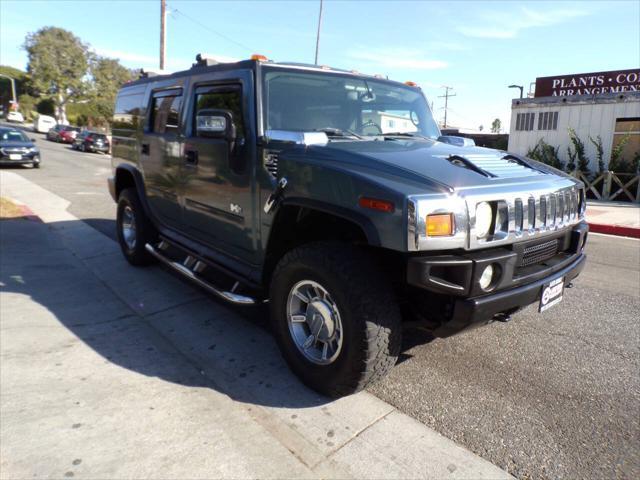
[478, 48]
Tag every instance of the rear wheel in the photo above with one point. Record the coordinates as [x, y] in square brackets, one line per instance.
[335, 317]
[134, 228]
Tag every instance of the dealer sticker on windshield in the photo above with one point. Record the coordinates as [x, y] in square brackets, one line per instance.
[551, 294]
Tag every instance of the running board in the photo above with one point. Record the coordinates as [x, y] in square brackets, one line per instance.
[192, 275]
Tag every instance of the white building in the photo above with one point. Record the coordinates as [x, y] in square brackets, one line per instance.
[591, 104]
[389, 122]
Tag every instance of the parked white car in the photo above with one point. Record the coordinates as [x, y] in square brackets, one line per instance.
[15, 117]
[44, 123]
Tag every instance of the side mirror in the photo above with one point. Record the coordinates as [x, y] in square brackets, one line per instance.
[214, 123]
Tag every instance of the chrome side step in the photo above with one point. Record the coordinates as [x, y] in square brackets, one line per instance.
[198, 266]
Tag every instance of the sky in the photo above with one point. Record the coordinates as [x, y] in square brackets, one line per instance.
[476, 47]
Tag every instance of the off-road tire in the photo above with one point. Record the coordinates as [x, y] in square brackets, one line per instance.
[145, 231]
[369, 313]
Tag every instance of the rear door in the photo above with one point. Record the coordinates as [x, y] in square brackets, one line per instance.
[219, 208]
[160, 156]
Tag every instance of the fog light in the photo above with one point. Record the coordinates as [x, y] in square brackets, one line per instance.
[486, 278]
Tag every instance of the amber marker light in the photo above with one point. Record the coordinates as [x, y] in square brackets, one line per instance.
[440, 225]
[375, 204]
[410, 83]
[259, 58]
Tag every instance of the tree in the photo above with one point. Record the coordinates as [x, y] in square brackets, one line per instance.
[107, 78]
[496, 126]
[57, 66]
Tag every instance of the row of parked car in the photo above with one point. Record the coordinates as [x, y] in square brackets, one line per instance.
[83, 140]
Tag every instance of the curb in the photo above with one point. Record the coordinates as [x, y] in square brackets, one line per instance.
[618, 230]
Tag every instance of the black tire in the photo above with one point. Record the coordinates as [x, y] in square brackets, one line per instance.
[35, 164]
[135, 254]
[369, 313]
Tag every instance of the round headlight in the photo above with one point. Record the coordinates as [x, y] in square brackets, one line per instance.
[486, 277]
[484, 218]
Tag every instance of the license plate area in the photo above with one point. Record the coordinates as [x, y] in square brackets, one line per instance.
[15, 156]
[552, 293]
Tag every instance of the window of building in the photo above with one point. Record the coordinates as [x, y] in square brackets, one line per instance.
[548, 121]
[222, 98]
[627, 132]
[524, 121]
[165, 113]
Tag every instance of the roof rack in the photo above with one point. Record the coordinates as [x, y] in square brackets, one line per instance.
[151, 73]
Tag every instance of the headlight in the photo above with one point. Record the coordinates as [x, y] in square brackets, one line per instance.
[33, 149]
[484, 219]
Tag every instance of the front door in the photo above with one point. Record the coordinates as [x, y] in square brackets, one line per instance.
[218, 200]
[161, 158]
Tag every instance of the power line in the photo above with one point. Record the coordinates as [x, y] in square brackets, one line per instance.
[206, 27]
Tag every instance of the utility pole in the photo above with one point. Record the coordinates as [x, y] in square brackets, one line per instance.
[163, 32]
[318, 34]
[446, 102]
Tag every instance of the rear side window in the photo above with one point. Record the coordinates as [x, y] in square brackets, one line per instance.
[165, 113]
[222, 98]
[128, 112]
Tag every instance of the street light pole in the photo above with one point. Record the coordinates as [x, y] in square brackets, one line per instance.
[13, 88]
[518, 86]
[318, 34]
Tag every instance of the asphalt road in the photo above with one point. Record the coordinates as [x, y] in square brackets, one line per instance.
[552, 395]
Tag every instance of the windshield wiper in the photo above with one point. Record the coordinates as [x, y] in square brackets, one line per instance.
[401, 134]
[337, 132]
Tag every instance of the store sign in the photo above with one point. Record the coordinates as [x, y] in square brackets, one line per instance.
[588, 83]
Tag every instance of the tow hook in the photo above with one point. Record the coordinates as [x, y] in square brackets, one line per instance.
[502, 317]
[275, 196]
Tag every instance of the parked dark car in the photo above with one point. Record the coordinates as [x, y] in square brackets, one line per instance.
[91, 142]
[18, 149]
[52, 134]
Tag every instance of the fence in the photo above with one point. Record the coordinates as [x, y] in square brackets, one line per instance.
[611, 186]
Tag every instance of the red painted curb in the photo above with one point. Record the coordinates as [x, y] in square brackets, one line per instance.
[618, 230]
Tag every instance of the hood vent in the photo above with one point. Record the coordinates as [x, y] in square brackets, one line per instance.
[496, 166]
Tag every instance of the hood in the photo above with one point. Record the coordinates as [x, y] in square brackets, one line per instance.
[452, 167]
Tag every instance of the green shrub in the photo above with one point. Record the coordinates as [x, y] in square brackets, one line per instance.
[620, 164]
[599, 152]
[545, 153]
[578, 148]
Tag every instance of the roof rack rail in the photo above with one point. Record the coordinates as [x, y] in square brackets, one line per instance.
[151, 73]
[204, 60]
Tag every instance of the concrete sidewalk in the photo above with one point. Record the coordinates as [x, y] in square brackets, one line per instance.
[108, 371]
[614, 218]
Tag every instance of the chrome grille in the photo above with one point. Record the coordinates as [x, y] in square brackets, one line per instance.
[538, 253]
[532, 215]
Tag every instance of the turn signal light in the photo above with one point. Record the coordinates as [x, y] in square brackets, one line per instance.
[440, 225]
[259, 58]
[375, 204]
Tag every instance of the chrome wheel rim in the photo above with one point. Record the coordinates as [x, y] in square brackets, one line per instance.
[129, 227]
[314, 322]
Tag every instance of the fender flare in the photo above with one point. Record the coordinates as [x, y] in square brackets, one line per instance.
[359, 219]
[138, 182]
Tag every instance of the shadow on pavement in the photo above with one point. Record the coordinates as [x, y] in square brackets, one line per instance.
[187, 338]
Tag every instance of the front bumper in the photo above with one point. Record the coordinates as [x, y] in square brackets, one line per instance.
[98, 148]
[26, 159]
[455, 277]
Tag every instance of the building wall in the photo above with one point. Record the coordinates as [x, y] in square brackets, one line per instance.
[588, 117]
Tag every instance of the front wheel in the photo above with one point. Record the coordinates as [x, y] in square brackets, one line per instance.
[134, 228]
[335, 317]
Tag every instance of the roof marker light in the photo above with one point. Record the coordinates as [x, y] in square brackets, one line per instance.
[410, 83]
[259, 58]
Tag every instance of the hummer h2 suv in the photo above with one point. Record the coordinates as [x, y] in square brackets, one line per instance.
[328, 195]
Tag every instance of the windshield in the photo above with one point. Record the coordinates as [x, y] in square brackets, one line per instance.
[12, 136]
[311, 101]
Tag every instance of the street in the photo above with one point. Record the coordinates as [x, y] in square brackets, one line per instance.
[552, 395]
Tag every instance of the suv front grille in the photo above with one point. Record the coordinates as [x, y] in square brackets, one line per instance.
[538, 253]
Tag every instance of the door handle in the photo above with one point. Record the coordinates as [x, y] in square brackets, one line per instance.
[191, 157]
[145, 149]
